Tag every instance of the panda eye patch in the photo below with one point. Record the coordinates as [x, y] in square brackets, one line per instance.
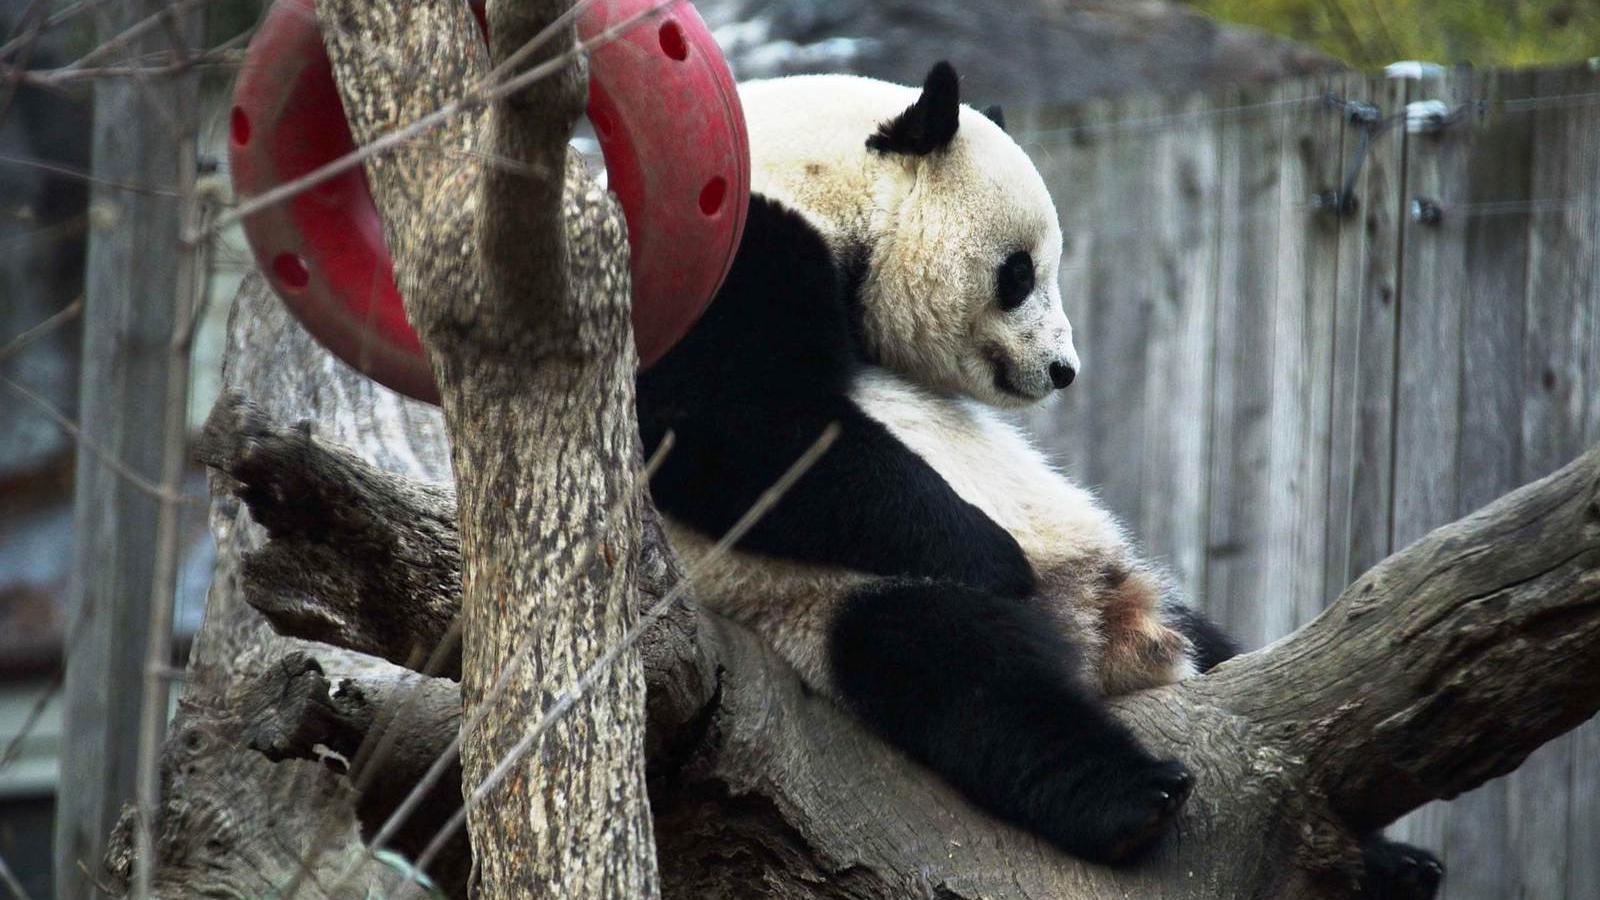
[1015, 281]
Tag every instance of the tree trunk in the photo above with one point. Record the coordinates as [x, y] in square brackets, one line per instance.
[533, 353]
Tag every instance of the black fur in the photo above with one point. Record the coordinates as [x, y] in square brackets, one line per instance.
[762, 374]
[1396, 871]
[928, 124]
[949, 658]
[1211, 644]
[995, 114]
[982, 689]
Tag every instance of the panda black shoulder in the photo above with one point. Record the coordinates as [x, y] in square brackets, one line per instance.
[779, 326]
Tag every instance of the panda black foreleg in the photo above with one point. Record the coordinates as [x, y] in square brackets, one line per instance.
[985, 691]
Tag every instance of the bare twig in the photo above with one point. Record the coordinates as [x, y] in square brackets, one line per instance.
[31, 720]
[29, 26]
[58, 78]
[164, 578]
[62, 230]
[105, 457]
[50, 22]
[61, 317]
[81, 175]
[135, 31]
[10, 881]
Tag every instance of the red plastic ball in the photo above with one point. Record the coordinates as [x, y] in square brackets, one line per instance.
[665, 112]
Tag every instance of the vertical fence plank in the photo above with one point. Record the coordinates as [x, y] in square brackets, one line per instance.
[1428, 361]
[1583, 836]
[1066, 147]
[1302, 376]
[1251, 179]
[1120, 286]
[130, 314]
[1583, 845]
[1175, 417]
[1359, 487]
[1360, 483]
[1560, 285]
[1489, 450]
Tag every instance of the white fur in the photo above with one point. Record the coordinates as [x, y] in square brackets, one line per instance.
[991, 465]
[937, 228]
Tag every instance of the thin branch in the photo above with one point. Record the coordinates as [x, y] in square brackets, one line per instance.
[81, 175]
[51, 22]
[133, 32]
[30, 39]
[10, 881]
[57, 78]
[62, 230]
[31, 720]
[61, 317]
[105, 457]
[164, 574]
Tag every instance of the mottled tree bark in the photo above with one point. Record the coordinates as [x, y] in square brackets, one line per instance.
[515, 276]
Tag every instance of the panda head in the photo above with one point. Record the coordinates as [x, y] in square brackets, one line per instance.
[956, 237]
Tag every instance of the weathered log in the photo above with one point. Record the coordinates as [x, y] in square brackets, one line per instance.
[336, 569]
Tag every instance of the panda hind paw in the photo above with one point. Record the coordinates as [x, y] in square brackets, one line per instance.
[1117, 813]
[1396, 871]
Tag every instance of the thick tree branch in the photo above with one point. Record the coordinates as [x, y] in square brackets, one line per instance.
[337, 569]
[370, 561]
[1448, 663]
[295, 711]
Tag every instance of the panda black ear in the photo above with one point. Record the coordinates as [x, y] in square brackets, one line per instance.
[995, 114]
[928, 124]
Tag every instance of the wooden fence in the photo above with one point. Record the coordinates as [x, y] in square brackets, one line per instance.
[1276, 396]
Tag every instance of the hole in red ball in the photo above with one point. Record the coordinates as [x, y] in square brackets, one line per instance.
[712, 194]
[239, 126]
[291, 271]
[672, 42]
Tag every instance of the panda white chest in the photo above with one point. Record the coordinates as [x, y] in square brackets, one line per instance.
[991, 465]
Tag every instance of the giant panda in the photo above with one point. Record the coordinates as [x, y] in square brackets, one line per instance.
[932, 573]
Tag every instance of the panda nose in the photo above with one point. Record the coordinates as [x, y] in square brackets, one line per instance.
[1061, 374]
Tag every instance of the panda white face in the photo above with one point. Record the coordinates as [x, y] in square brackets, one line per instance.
[960, 237]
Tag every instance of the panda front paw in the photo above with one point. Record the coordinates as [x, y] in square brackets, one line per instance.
[1396, 871]
[1115, 811]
